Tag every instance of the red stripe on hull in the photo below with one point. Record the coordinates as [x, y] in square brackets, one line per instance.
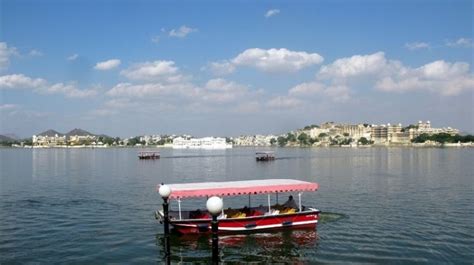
[272, 222]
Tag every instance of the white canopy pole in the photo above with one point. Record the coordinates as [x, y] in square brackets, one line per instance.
[269, 206]
[299, 198]
[179, 208]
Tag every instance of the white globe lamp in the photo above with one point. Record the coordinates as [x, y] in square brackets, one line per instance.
[214, 205]
[165, 191]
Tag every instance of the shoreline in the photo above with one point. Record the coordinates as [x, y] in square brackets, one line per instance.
[448, 145]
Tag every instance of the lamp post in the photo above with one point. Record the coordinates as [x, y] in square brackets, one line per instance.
[214, 206]
[165, 192]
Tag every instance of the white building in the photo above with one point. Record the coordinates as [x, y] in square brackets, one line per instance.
[200, 143]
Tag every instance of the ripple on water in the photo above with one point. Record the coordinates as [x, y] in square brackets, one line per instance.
[379, 206]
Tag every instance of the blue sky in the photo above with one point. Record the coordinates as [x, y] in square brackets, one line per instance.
[237, 67]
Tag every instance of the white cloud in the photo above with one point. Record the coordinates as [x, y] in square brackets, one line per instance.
[215, 90]
[181, 32]
[337, 93]
[151, 89]
[271, 60]
[272, 12]
[5, 54]
[223, 91]
[252, 106]
[107, 65]
[213, 95]
[277, 60]
[154, 71]
[7, 107]
[20, 81]
[102, 112]
[307, 89]
[417, 45]
[35, 53]
[461, 42]
[356, 66]
[73, 57]
[336, 80]
[221, 68]
[155, 39]
[439, 76]
[284, 102]
[68, 90]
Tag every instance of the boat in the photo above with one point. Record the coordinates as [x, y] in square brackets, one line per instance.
[148, 155]
[265, 156]
[248, 218]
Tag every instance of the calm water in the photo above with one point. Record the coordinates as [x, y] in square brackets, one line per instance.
[96, 206]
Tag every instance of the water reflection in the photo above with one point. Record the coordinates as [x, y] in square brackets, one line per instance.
[280, 246]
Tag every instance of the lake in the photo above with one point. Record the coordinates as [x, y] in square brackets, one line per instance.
[380, 205]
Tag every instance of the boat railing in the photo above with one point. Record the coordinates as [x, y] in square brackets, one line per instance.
[236, 213]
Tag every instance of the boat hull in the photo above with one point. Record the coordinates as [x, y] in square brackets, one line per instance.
[306, 219]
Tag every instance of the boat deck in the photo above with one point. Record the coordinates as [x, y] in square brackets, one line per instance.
[148, 155]
[264, 156]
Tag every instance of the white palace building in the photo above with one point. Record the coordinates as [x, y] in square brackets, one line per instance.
[200, 143]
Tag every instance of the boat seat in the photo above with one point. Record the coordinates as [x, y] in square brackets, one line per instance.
[238, 215]
[288, 211]
[255, 213]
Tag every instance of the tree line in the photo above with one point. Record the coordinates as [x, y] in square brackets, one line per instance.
[443, 138]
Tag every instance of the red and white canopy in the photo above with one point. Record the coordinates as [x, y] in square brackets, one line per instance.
[233, 188]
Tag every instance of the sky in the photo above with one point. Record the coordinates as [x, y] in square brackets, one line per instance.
[228, 68]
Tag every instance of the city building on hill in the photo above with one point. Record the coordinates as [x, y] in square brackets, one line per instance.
[81, 139]
[354, 131]
[150, 139]
[49, 138]
[200, 143]
[389, 134]
[425, 128]
[379, 134]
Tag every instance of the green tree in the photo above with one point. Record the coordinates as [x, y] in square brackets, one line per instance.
[303, 139]
[273, 141]
[411, 126]
[313, 140]
[282, 141]
[322, 135]
[291, 137]
[345, 134]
[134, 141]
[421, 138]
[363, 141]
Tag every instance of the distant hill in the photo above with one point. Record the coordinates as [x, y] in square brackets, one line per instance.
[104, 136]
[12, 135]
[79, 132]
[4, 138]
[73, 132]
[50, 133]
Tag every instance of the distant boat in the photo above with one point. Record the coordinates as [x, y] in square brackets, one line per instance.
[148, 155]
[265, 156]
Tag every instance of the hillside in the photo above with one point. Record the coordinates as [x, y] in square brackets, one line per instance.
[4, 138]
[50, 132]
[79, 132]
